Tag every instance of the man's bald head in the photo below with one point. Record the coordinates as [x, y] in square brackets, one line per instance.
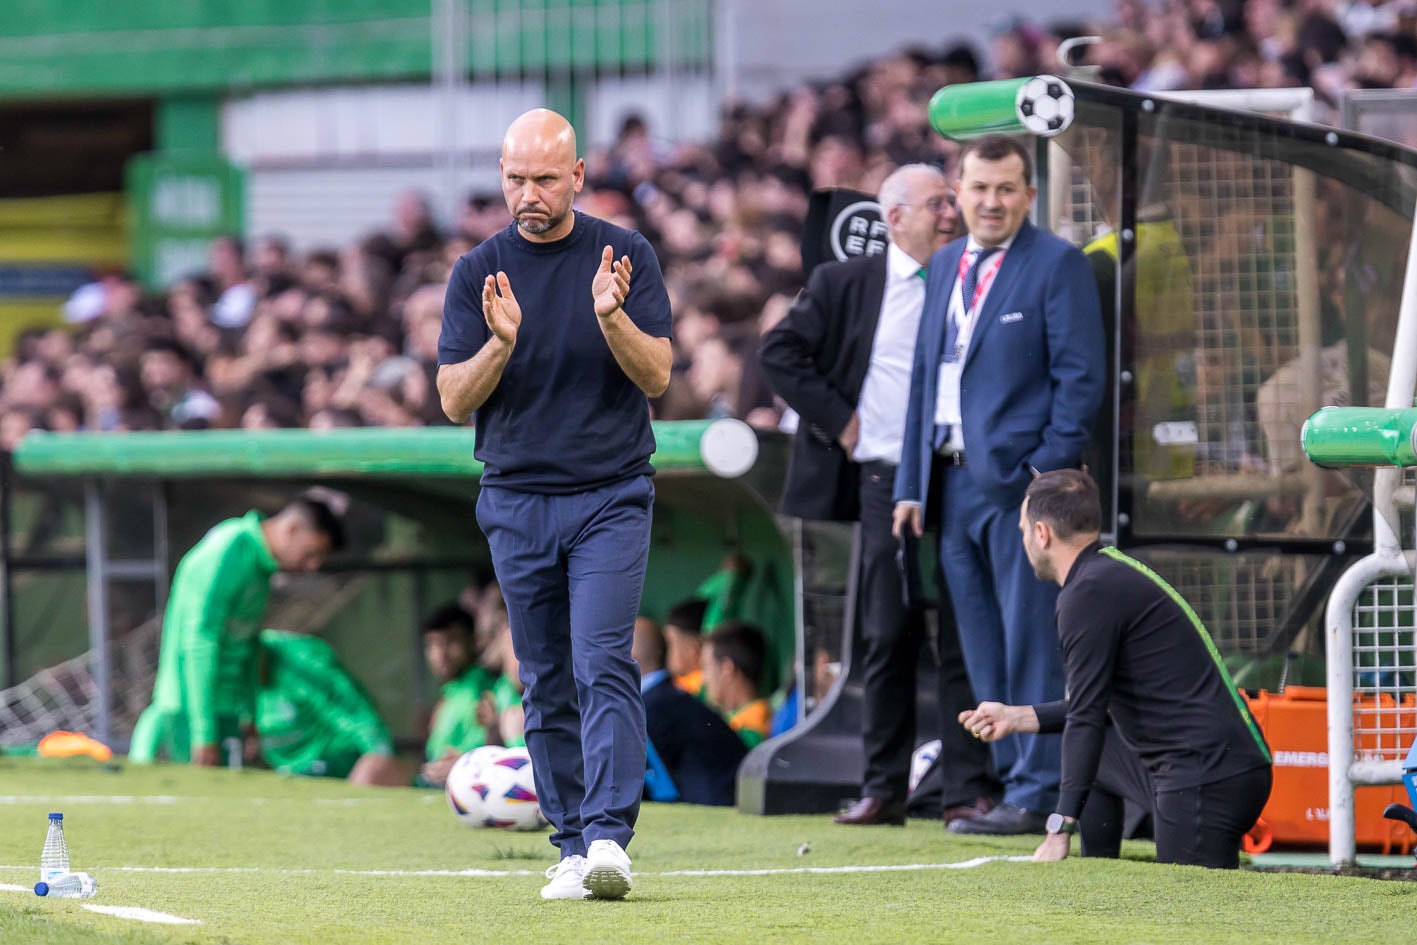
[541, 174]
[541, 133]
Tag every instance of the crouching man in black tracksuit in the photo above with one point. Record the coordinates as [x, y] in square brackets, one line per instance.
[1151, 713]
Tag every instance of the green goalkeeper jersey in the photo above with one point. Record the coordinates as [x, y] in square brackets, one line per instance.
[206, 669]
[313, 717]
[455, 726]
[505, 694]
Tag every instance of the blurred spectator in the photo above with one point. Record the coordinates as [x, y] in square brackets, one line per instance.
[500, 711]
[321, 270]
[172, 389]
[236, 296]
[683, 638]
[114, 294]
[1015, 49]
[715, 376]
[693, 754]
[15, 422]
[413, 230]
[206, 680]
[482, 215]
[271, 264]
[449, 646]
[734, 659]
[312, 716]
[272, 336]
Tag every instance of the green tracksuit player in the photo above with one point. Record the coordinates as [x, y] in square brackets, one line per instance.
[313, 717]
[206, 680]
[450, 649]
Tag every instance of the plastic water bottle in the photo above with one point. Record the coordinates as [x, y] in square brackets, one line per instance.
[68, 886]
[54, 861]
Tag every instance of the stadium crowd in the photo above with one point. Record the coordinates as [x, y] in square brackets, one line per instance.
[347, 336]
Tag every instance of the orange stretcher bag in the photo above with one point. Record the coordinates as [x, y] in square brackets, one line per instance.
[1295, 723]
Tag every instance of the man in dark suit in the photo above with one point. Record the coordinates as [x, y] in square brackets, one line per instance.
[1007, 379]
[841, 358]
[693, 754]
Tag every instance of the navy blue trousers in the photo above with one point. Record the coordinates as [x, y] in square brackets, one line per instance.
[1006, 629]
[572, 568]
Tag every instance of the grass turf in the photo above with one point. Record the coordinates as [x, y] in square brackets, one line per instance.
[279, 862]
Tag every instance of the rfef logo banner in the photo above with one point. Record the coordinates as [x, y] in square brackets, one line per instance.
[841, 223]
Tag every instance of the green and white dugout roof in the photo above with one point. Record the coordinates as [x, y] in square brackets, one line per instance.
[723, 448]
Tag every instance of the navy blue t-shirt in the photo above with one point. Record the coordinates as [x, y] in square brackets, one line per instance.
[564, 416]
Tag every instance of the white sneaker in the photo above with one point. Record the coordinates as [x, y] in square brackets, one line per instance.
[607, 870]
[567, 880]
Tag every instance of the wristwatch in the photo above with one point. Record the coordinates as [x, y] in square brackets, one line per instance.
[1057, 823]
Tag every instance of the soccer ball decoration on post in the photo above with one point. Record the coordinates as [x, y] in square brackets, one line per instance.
[1045, 103]
[493, 787]
[1039, 105]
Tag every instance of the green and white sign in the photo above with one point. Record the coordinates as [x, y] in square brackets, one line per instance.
[179, 205]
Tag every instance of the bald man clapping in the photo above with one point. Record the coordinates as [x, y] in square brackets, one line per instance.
[555, 331]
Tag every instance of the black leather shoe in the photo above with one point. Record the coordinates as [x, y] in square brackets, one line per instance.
[1004, 820]
[980, 807]
[872, 811]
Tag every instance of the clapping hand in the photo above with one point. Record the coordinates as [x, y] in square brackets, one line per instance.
[612, 283]
[500, 308]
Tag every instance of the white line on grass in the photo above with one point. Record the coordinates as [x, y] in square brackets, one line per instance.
[138, 914]
[192, 869]
[165, 799]
[895, 868]
[502, 874]
[119, 799]
[135, 913]
[483, 874]
[148, 915]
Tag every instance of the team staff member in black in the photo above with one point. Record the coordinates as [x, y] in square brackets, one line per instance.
[841, 358]
[549, 342]
[1134, 650]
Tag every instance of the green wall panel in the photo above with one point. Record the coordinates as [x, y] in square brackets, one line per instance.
[190, 123]
[87, 47]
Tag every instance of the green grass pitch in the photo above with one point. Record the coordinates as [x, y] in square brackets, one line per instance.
[258, 859]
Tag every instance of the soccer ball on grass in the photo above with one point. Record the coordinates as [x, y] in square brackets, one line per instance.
[493, 787]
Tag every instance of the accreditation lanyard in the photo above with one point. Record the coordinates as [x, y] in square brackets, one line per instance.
[964, 318]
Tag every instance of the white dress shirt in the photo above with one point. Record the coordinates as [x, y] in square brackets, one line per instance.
[966, 322]
[886, 389]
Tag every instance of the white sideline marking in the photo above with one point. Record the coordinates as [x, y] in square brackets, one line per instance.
[91, 799]
[191, 869]
[502, 874]
[165, 799]
[142, 915]
[482, 874]
[895, 868]
[135, 913]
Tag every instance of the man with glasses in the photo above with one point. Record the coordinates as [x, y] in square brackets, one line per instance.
[842, 358]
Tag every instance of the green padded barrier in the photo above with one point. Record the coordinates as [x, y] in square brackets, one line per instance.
[419, 451]
[1361, 436]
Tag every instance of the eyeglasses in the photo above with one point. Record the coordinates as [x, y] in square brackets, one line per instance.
[934, 204]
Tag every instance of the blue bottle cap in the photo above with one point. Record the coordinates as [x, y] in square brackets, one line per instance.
[56, 816]
[41, 889]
